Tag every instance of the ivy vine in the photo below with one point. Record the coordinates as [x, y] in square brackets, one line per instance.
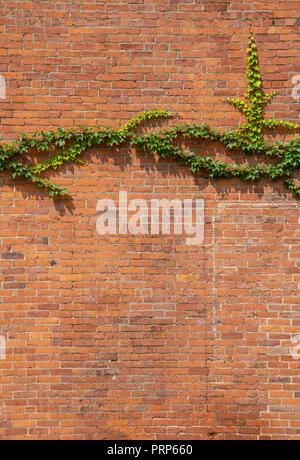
[248, 138]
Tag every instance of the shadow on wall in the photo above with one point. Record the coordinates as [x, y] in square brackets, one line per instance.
[98, 159]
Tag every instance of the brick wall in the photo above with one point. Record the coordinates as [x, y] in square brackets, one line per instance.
[144, 337]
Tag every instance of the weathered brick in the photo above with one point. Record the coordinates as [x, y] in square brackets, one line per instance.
[119, 337]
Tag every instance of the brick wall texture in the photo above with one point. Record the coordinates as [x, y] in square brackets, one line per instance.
[145, 337]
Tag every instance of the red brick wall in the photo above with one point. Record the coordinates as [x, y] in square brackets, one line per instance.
[124, 337]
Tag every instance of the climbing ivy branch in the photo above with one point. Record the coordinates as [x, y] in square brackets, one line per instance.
[252, 130]
[248, 138]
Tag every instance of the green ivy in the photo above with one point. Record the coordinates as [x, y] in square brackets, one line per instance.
[248, 138]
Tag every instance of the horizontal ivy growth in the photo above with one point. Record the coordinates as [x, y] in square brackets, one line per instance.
[248, 138]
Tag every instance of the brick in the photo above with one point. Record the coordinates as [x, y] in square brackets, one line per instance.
[127, 337]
